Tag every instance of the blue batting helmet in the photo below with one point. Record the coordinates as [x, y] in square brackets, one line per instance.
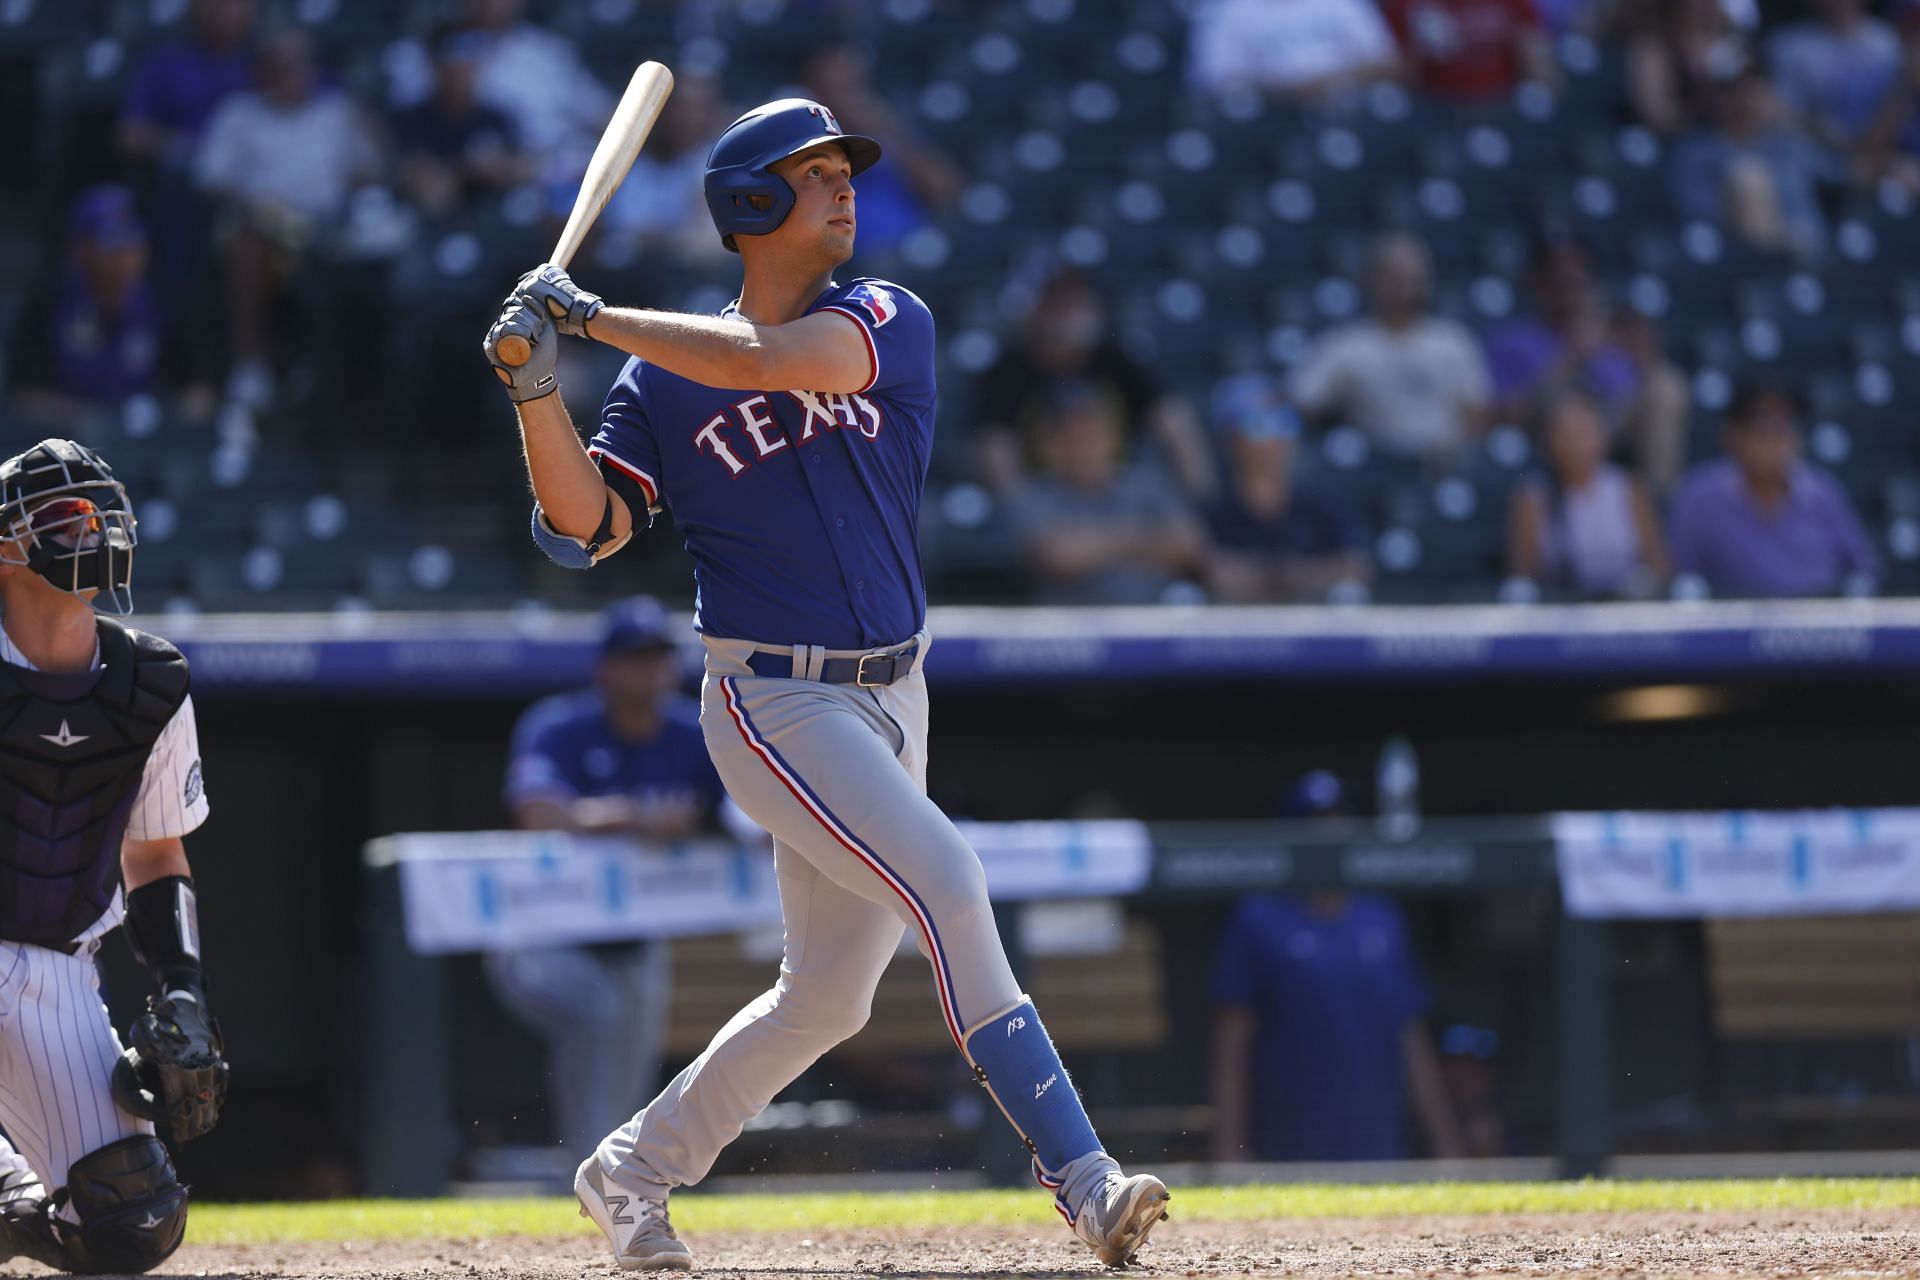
[746, 199]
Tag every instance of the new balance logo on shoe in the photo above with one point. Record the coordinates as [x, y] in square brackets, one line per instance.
[1044, 1085]
[1015, 1023]
[617, 1209]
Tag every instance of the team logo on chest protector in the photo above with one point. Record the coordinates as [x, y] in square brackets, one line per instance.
[66, 737]
[749, 432]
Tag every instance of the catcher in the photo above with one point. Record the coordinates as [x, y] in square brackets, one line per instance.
[99, 780]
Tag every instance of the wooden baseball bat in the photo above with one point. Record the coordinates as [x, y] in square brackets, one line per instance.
[625, 134]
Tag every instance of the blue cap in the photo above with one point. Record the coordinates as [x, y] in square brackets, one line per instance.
[1251, 405]
[1316, 795]
[106, 216]
[635, 626]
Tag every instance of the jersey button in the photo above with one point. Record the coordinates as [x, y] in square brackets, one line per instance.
[839, 522]
[859, 584]
[816, 457]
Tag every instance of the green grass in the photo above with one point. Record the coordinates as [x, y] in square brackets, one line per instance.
[428, 1219]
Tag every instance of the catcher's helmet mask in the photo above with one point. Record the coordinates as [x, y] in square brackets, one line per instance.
[744, 196]
[65, 517]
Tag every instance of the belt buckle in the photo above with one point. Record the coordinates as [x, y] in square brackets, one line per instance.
[860, 671]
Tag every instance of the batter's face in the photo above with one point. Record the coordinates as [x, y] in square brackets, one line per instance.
[821, 221]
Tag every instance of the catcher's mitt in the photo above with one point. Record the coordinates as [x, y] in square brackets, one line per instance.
[175, 1074]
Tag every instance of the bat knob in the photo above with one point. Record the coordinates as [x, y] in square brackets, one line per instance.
[513, 350]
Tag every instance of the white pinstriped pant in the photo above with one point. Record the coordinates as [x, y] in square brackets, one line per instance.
[57, 1050]
[838, 775]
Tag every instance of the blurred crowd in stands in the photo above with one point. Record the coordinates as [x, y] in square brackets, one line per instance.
[262, 253]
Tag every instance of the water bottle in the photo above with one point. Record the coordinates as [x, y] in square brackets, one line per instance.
[1397, 790]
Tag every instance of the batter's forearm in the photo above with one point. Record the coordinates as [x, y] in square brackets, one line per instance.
[709, 350]
[565, 482]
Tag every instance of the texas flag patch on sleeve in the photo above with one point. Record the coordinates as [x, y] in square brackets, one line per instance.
[877, 301]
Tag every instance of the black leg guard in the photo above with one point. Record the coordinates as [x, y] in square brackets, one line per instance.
[132, 1210]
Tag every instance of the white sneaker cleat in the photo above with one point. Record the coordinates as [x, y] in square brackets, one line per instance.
[1117, 1215]
[638, 1228]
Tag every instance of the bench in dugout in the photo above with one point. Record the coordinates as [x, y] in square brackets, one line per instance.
[1115, 1003]
[1824, 1011]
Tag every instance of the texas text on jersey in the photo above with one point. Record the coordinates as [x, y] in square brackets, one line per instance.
[800, 508]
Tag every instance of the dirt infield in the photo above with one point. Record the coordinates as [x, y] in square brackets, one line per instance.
[1826, 1243]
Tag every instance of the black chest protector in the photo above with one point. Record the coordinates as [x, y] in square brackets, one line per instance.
[72, 750]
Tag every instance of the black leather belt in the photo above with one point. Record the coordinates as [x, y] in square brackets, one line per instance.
[869, 671]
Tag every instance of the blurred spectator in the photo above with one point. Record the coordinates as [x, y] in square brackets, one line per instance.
[1572, 341]
[1677, 50]
[1092, 529]
[625, 757]
[1566, 340]
[1754, 173]
[1303, 50]
[1319, 1039]
[171, 97]
[662, 205]
[1467, 1066]
[1414, 382]
[1650, 431]
[100, 334]
[1586, 17]
[1272, 542]
[533, 76]
[1760, 521]
[1471, 50]
[281, 161]
[918, 178]
[1063, 341]
[1584, 526]
[1834, 71]
[452, 146]
[1891, 147]
[175, 89]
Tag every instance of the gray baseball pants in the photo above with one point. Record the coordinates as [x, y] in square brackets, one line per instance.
[837, 774]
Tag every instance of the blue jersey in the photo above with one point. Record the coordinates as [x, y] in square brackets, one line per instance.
[564, 750]
[1331, 996]
[801, 509]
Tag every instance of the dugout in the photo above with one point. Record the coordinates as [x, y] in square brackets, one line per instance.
[316, 742]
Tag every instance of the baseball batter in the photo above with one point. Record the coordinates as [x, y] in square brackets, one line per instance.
[789, 436]
[99, 780]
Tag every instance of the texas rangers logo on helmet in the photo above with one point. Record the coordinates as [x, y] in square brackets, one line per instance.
[878, 302]
[826, 118]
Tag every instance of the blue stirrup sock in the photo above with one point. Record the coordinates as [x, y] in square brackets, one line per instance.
[1014, 1059]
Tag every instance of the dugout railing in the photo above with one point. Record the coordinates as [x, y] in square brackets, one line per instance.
[1829, 882]
[408, 1150]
